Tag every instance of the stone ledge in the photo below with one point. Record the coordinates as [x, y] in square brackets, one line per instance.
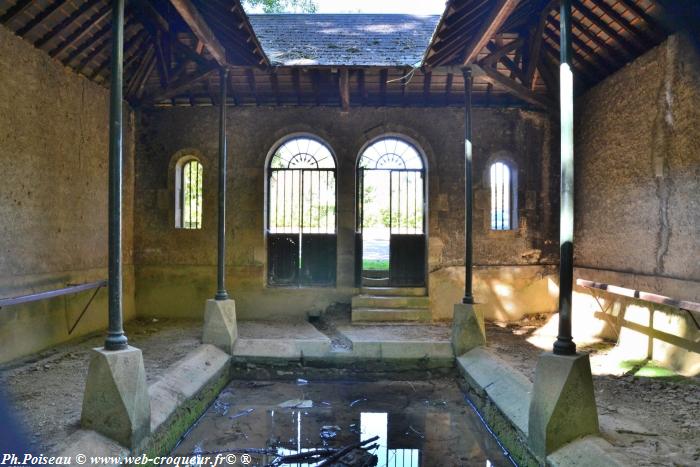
[90, 443]
[503, 395]
[591, 451]
[508, 389]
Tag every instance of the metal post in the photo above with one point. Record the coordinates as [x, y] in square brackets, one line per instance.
[116, 339]
[221, 293]
[468, 195]
[564, 344]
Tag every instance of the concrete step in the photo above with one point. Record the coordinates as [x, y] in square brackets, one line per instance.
[395, 291]
[379, 301]
[375, 281]
[373, 315]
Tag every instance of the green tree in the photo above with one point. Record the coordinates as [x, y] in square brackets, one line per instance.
[283, 6]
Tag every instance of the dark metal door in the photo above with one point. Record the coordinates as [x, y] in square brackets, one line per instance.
[407, 242]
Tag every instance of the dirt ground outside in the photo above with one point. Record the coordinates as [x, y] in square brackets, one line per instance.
[655, 420]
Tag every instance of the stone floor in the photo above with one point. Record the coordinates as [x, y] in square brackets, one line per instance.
[47, 388]
[655, 421]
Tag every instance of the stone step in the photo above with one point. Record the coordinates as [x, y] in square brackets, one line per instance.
[360, 315]
[375, 281]
[379, 301]
[395, 291]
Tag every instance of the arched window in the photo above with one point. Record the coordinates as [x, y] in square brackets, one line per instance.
[301, 213]
[503, 196]
[188, 193]
[390, 236]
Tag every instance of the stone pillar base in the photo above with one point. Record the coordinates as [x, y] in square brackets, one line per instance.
[468, 329]
[563, 403]
[116, 402]
[220, 328]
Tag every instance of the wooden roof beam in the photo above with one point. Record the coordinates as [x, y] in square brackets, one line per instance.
[201, 29]
[513, 87]
[344, 88]
[38, 19]
[493, 23]
[83, 30]
[536, 43]
[640, 38]
[16, 9]
[626, 47]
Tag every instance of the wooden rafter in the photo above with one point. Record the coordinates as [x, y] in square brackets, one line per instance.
[515, 88]
[80, 33]
[201, 29]
[491, 25]
[38, 19]
[344, 89]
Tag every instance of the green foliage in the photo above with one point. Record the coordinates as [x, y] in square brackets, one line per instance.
[375, 264]
[283, 6]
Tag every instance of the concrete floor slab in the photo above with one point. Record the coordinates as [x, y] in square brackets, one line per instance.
[399, 342]
[272, 339]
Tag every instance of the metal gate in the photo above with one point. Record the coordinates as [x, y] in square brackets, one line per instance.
[301, 220]
[398, 174]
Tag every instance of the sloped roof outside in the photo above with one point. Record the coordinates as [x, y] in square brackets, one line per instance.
[344, 39]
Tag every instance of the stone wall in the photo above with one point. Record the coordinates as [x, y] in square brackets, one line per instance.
[638, 187]
[53, 197]
[175, 269]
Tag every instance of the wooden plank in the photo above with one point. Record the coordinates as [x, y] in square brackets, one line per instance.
[627, 48]
[383, 78]
[201, 29]
[514, 88]
[183, 84]
[274, 82]
[639, 37]
[640, 295]
[15, 10]
[427, 80]
[497, 16]
[361, 86]
[78, 35]
[536, 44]
[63, 24]
[496, 54]
[37, 20]
[448, 88]
[250, 79]
[344, 88]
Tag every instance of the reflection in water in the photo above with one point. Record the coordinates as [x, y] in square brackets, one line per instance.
[417, 423]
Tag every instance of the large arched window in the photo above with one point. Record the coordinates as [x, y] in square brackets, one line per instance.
[502, 179]
[188, 193]
[390, 228]
[301, 213]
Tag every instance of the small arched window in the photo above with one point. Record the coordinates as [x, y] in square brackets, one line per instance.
[188, 193]
[503, 196]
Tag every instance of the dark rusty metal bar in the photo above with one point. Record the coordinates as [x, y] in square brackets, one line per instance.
[468, 188]
[564, 344]
[69, 290]
[116, 339]
[221, 293]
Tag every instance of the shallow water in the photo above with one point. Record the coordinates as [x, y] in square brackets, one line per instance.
[419, 423]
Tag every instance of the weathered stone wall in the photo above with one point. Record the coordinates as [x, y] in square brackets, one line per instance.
[175, 269]
[638, 168]
[638, 193]
[53, 197]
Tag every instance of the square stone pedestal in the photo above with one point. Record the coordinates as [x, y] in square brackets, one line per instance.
[563, 403]
[468, 329]
[220, 328]
[116, 402]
